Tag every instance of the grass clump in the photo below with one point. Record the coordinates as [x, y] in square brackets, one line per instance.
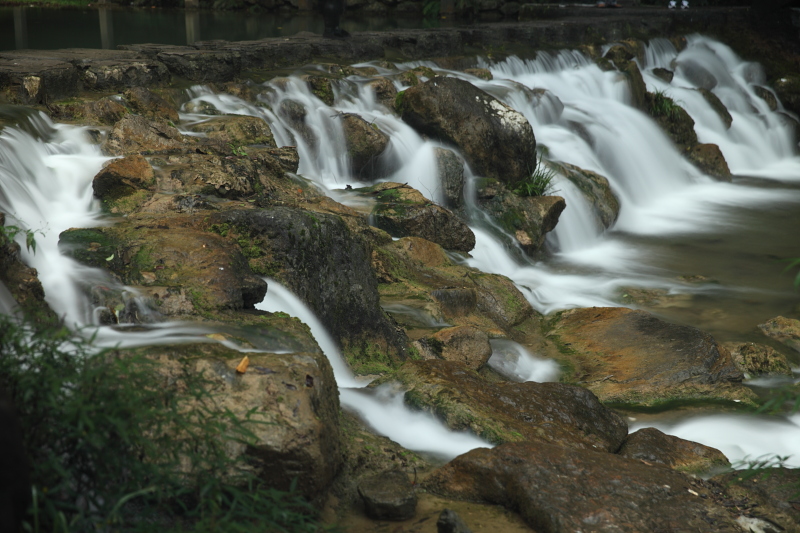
[118, 444]
[662, 105]
[540, 181]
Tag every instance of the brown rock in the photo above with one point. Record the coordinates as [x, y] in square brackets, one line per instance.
[135, 134]
[654, 447]
[709, 159]
[558, 489]
[121, 178]
[509, 412]
[633, 357]
[426, 252]
[365, 143]
[385, 91]
[783, 330]
[388, 496]
[597, 191]
[757, 359]
[236, 131]
[148, 104]
[466, 345]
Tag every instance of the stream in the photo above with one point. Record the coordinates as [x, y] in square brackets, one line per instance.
[704, 253]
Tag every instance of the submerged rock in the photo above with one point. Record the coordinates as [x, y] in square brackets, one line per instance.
[558, 489]
[509, 412]
[651, 446]
[628, 356]
[402, 211]
[496, 141]
[450, 522]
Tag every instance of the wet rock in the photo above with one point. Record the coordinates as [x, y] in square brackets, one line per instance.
[466, 345]
[619, 52]
[717, 105]
[291, 396]
[105, 75]
[105, 111]
[385, 91]
[450, 168]
[654, 447]
[456, 302]
[37, 80]
[124, 178]
[450, 522]
[635, 81]
[664, 74]
[402, 212]
[166, 251]
[672, 118]
[509, 412]
[697, 74]
[628, 356]
[788, 90]
[226, 177]
[150, 105]
[772, 493]
[22, 281]
[783, 330]
[322, 88]
[767, 95]
[496, 141]
[388, 496]
[135, 134]
[597, 191]
[527, 218]
[709, 159]
[758, 359]
[585, 490]
[236, 131]
[365, 143]
[482, 73]
[327, 266]
[202, 66]
[295, 114]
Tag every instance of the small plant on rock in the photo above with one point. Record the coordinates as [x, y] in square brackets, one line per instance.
[539, 183]
[662, 105]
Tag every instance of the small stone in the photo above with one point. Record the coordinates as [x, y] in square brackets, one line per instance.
[388, 496]
[241, 368]
[450, 522]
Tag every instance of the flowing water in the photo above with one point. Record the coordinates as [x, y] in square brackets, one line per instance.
[686, 247]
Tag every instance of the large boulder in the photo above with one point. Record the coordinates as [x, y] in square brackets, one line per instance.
[558, 489]
[289, 397]
[629, 356]
[173, 258]
[365, 143]
[328, 266]
[509, 412]
[402, 211]
[496, 141]
[464, 344]
[672, 118]
[654, 447]
[150, 105]
[597, 191]
[527, 218]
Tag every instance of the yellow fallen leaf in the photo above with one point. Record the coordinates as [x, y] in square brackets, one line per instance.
[216, 336]
[242, 368]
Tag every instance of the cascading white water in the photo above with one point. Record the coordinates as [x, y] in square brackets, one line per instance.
[584, 118]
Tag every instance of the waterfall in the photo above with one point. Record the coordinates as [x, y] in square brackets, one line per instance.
[672, 217]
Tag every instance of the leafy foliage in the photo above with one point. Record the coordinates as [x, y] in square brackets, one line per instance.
[9, 233]
[118, 444]
[539, 183]
[664, 106]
